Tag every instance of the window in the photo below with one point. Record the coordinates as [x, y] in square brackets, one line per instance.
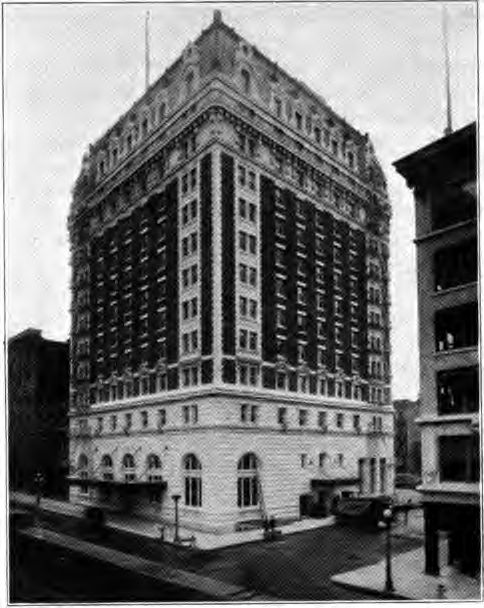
[242, 176]
[458, 391]
[193, 481]
[161, 418]
[243, 273]
[322, 420]
[253, 309]
[129, 467]
[253, 341]
[252, 183]
[190, 414]
[455, 204]
[356, 422]
[304, 459]
[128, 420]
[282, 416]
[243, 306]
[303, 417]
[252, 276]
[253, 375]
[144, 419]
[114, 422]
[298, 118]
[278, 107]
[383, 476]
[245, 76]
[455, 265]
[107, 468]
[247, 481]
[456, 327]
[252, 213]
[322, 460]
[242, 208]
[243, 339]
[281, 380]
[339, 420]
[317, 134]
[459, 458]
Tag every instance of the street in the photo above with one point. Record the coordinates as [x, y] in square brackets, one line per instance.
[295, 567]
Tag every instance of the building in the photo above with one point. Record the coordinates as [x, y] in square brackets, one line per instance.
[230, 337]
[407, 438]
[38, 398]
[443, 178]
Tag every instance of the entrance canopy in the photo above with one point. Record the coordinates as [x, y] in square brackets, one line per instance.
[113, 483]
[329, 482]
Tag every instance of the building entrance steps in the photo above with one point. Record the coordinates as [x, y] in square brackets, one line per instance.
[204, 541]
[209, 587]
[410, 581]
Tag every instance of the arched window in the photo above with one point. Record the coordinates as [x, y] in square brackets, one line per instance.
[247, 481]
[153, 463]
[193, 481]
[244, 74]
[107, 467]
[129, 467]
[189, 83]
[82, 466]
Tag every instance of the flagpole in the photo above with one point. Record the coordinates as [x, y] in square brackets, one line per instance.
[448, 128]
[147, 50]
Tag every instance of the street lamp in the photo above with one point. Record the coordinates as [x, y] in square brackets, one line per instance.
[387, 522]
[176, 498]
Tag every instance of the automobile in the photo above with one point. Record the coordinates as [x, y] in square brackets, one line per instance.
[407, 480]
[362, 511]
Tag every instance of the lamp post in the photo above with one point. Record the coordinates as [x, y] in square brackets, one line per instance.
[176, 498]
[387, 522]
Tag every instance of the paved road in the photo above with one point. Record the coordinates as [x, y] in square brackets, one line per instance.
[296, 567]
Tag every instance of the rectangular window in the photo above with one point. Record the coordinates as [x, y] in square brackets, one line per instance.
[161, 417]
[253, 309]
[253, 341]
[282, 415]
[193, 209]
[303, 417]
[252, 244]
[242, 208]
[252, 213]
[243, 273]
[322, 420]
[455, 265]
[459, 458]
[243, 339]
[458, 391]
[456, 327]
[253, 276]
[242, 241]
[281, 380]
[243, 306]
[144, 419]
[339, 420]
[244, 412]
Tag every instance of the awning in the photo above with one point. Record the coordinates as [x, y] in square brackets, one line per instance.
[333, 481]
[116, 483]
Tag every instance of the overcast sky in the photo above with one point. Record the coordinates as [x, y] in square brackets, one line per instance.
[71, 70]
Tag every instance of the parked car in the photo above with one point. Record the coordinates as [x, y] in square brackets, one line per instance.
[364, 511]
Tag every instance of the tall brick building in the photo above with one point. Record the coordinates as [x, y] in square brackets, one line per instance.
[443, 177]
[230, 314]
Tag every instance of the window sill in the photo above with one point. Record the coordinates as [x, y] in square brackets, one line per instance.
[463, 350]
[442, 292]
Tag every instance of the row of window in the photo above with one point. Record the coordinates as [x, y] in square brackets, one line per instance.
[248, 414]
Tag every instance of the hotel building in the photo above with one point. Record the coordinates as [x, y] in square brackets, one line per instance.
[230, 310]
[443, 178]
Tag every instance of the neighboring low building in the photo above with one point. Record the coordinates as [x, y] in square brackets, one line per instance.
[443, 178]
[407, 438]
[38, 396]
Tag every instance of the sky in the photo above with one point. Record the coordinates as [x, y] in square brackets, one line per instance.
[70, 70]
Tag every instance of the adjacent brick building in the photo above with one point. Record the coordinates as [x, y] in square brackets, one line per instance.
[38, 399]
[443, 178]
[230, 312]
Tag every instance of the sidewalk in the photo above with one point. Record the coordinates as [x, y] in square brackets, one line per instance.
[209, 587]
[409, 580]
[150, 529]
